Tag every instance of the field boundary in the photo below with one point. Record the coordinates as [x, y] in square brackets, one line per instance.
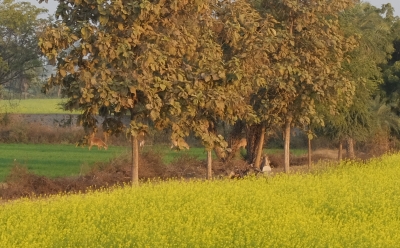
[58, 120]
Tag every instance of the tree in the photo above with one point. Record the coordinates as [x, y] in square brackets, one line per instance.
[19, 53]
[350, 123]
[373, 27]
[391, 70]
[384, 122]
[249, 41]
[219, 87]
[140, 58]
[391, 85]
[307, 64]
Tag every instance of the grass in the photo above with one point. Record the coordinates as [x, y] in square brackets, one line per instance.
[32, 106]
[168, 155]
[353, 205]
[294, 152]
[57, 160]
[52, 160]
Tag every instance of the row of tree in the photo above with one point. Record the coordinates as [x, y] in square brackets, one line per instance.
[369, 113]
[192, 65]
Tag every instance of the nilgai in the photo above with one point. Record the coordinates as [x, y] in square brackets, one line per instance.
[97, 142]
[242, 143]
[179, 143]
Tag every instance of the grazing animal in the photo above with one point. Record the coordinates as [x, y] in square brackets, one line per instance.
[242, 143]
[179, 143]
[97, 142]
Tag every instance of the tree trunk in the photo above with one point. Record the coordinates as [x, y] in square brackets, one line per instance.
[340, 153]
[105, 137]
[257, 161]
[135, 161]
[209, 164]
[287, 143]
[350, 148]
[309, 153]
[253, 141]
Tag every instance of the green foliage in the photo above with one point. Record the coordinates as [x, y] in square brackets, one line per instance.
[307, 64]
[354, 122]
[392, 80]
[374, 31]
[355, 205]
[373, 28]
[19, 28]
[384, 119]
[391, 76]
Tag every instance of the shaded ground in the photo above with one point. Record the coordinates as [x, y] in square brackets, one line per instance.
[22, 183]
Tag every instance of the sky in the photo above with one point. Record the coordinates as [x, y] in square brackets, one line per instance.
[395, 4]
[52, 5]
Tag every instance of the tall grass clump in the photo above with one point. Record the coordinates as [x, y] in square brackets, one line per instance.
[353, 205]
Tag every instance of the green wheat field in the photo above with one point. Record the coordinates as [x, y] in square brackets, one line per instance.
[33, 106]
[59, 160]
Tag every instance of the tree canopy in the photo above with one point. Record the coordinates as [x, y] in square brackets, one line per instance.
[373, 28]
[190, 65]
[20, 26]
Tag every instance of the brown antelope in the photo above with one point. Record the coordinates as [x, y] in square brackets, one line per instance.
[178, 143]
[97, 142]
[242, 143]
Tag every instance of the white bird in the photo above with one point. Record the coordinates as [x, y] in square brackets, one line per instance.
[267, 167]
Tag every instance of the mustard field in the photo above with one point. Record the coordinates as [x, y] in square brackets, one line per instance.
[352, 205]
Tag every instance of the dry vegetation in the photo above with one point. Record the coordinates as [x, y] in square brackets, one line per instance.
[38, 134]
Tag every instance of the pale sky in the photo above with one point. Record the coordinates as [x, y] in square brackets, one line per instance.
[52, 5]
[395, 4]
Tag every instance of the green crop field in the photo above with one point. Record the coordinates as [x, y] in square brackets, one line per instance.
[52, 160]
[57, 160]
[169, 155]
[66, 160]
[32, 106]
[354, 205]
